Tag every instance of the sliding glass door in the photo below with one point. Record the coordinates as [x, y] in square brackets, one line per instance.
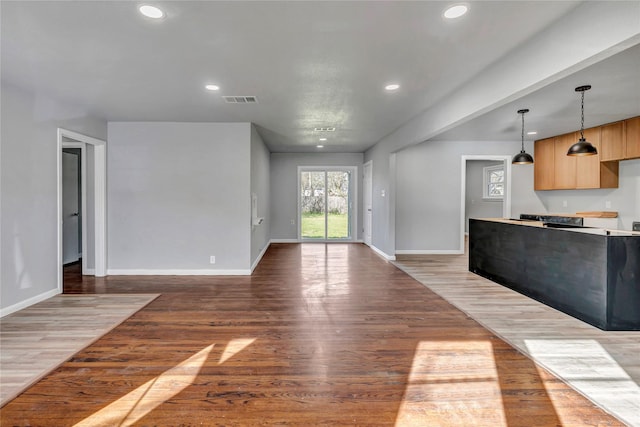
[325, 204]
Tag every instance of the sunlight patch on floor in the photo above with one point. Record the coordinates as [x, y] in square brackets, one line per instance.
[138, 403]
[453, 383]
[590, 369]
[234, 347]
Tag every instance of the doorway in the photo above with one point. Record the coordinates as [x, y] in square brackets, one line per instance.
[72, 206]
[89, 214]
[325, 204]
[494, 167]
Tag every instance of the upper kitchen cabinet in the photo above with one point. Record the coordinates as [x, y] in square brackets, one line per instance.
[554, 170]
[613, 146]
[621, 140]
[564, 167]
[543, 170]
[632, 137]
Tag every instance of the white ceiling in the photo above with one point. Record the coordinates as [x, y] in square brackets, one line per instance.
[310, 64]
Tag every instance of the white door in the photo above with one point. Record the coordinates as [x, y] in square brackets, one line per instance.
[367, 196]
[70, 208]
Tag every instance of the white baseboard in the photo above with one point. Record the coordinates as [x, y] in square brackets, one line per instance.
[383, 254]
[429, 252]
[28, 302]
[202, 272]
[89, 272]
[260, 255]
[284, 241]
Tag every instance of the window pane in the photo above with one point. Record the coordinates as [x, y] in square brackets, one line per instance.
[496, 190]
[338, 205]
[312, 200]
[497, 176]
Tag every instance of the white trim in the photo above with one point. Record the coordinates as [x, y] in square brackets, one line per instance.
[428, 252]
[382, 254]
[176, 272]
[100, 214]
[368, 164]
[506, 203]
[260, 255]
[90, 272]
[28, 302]
[284, 241]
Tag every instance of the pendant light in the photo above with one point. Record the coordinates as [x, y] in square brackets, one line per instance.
[522, 158]
[582, 147]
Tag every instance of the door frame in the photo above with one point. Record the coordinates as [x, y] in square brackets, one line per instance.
[353, 201]
[367, 193]
[506, 202]
[67, 138]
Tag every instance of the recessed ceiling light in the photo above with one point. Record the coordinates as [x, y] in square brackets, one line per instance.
[392, 87]
[455, 11]
[151, 11]
[533, 132]
[320, 146]
[323, 139]
[212, 87]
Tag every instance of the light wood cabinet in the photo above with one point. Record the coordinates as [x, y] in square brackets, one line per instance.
[632, 133]
[613, 144]
[543, 173]
[564, 166]
[554, 170]
[588, 167]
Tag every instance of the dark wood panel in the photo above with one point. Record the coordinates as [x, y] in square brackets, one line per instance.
[584, 275]
[320, 335]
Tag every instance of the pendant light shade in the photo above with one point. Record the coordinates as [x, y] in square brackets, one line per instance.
[522, 158]
[582, 147]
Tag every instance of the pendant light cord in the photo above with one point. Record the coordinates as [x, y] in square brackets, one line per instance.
[522, 139]
[582, 117]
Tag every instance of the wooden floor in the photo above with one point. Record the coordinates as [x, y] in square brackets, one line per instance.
[35, 340]
[602, 365]
[319, 335]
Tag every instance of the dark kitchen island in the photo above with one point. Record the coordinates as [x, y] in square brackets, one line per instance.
[592, 274]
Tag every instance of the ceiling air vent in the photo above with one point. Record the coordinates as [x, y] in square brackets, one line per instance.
[240, 99]
[324, 129]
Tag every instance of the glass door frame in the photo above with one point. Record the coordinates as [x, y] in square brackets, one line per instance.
[353, 202]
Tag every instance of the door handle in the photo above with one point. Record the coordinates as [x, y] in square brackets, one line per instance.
[75, 214]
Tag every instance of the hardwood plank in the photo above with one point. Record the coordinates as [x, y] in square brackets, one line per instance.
[321, 334]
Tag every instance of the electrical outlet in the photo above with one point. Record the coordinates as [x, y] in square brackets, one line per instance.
[607, 204]
[564, 204]
[293, 222]
[212, 259]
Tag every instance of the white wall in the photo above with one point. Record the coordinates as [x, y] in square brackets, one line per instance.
[260, 186]
[475, 205]
[428, 198]
[428, 193]
[284, 191]
[28, 196]
[177, 194]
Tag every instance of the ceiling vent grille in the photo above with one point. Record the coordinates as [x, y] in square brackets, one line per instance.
[329, 129]
[240, 99]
